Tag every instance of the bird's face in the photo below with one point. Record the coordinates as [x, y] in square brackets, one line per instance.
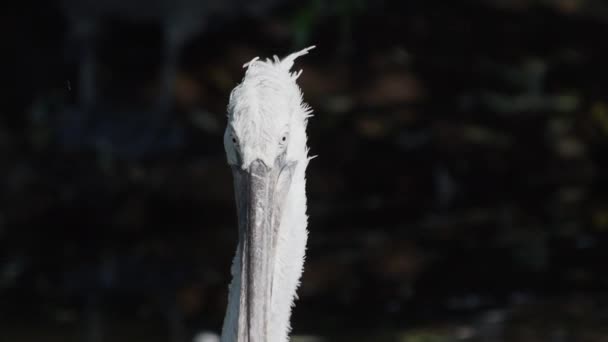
[264, 141]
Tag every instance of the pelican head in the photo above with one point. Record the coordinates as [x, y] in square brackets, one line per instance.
[265, 143]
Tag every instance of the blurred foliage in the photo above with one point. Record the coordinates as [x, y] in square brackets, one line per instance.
[343, 12]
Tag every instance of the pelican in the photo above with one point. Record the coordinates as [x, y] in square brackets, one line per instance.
[265, 143]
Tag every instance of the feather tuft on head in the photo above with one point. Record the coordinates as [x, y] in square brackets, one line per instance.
[264, 107]
[286, 63]
[246, 65]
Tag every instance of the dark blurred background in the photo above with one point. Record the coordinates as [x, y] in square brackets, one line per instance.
[459, 192]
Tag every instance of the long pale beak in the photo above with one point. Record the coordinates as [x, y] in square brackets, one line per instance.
[260, 195]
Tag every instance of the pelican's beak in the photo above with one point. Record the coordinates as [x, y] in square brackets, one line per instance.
[260, 196]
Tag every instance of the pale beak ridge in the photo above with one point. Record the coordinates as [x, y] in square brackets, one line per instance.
[260, 193]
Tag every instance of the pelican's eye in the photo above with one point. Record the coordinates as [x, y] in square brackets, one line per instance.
[234, 140]
[236, 148]
[235, 143]
[283, 141]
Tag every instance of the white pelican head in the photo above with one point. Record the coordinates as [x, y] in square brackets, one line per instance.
[265, 142]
